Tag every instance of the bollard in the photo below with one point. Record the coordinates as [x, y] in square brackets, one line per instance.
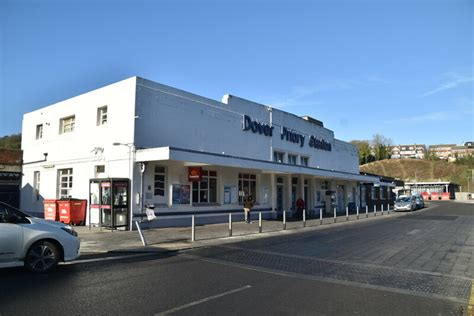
[230, 224]
[284, 220]
[357, 212]
[347, 213]
[366, 211]
[382, 208]
[193, 229]
[375, 210]
[259, 222]
[304, 218]
[142, 237]
[388, 208]
[320, 216]
[334, 215]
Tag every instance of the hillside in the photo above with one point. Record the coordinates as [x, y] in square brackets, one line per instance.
[420, 170]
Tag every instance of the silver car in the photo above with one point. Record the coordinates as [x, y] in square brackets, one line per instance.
[405, 203]
[33, 242]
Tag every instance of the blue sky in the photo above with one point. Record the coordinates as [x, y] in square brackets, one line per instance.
[403, 69]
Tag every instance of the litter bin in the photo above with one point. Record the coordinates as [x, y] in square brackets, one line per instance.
[50, 210]
[72, 211]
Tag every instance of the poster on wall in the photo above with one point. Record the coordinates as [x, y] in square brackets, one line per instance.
[266, 195]
[227, 195]
[181, 193]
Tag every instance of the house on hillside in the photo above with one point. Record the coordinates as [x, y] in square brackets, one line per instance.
[414, 151]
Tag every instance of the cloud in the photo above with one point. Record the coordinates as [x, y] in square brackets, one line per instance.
[439, 116]
[302, 96]
[456, 81]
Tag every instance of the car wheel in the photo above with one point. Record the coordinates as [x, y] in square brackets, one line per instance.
[42, 257]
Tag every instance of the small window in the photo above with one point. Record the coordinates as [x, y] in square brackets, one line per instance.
[324, 185]
[66, 125]
[278, 157]
[292, 159]
[304, 161]
[159, 188]
[36, 185]
[39, 131]
[100, 169]
[102, 116]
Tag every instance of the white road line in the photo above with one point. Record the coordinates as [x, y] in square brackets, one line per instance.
[413, 232]
[204, 300]
[110, 258]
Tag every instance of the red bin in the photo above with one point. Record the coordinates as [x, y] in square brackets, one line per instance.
[72, 211]
[445, 196]
[50, 210]
[435, 196]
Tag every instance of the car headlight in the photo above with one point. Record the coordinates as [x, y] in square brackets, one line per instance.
[68, 229]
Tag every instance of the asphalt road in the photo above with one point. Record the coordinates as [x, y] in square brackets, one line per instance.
[421, 263]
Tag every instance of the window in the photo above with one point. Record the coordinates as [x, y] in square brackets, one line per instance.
[304, 161]
[292, 159]
[36, 185]
[324, 185]
[102, 115]
[247, 184]
[39, 131]
[372, 193]
[382, 193]
[66, 125]
[278, 157]
[100, 169]
[205, 191]
[159, 181]
[64, 183]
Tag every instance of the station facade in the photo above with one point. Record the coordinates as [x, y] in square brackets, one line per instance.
[186, 153]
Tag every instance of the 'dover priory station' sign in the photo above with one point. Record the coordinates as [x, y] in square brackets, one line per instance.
[287, 134]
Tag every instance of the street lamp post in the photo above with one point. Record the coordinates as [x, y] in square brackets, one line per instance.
[131, 149]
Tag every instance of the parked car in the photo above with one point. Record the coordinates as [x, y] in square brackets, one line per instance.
[419, 202]
[405, 203]
[33, 242]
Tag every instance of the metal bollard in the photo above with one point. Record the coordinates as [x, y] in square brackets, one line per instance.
[366, 211]
[259, 222]
[142, 237]
[193, 229]
[304, 218]
[284, 220]
[334, 215]
[388, 208]
[320, 216]
[347, 213]
[357, 212]
[230, 224]
[375, 210]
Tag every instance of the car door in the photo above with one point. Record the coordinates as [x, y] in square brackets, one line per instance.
[11, 238]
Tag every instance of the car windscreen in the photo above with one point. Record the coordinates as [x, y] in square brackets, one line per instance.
[8, 209]
[403, 199]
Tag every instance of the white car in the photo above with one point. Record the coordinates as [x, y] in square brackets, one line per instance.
[405, 203]
[33, 242]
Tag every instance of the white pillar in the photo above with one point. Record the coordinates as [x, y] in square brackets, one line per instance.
[273, 191]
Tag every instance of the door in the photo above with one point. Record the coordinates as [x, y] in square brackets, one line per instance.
[279, 194]
[340, 198]
[11, 238]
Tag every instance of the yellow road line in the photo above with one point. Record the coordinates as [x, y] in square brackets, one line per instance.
[470, 307]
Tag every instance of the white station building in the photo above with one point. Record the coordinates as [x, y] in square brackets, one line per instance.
[183, 153]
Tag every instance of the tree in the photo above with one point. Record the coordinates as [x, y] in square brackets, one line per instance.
[10, 142]
[363, 147]
[381, 146]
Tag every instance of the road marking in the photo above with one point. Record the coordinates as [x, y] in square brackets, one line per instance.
[470, 307]
[111, 258]
[413, 232]
[204, 300]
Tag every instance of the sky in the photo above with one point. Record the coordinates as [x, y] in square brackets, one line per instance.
[399, 68]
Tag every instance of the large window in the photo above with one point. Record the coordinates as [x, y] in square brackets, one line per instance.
[66, 125]
[205, 191]
[278, 157]
[36, 185]
[292, 159]
[39, 131]
[102, 115]
[159, 181]
[65, 183]
[248, 185]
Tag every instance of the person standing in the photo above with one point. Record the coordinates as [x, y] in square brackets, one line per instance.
[248, 204]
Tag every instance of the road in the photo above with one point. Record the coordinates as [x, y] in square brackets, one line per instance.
[421, 263]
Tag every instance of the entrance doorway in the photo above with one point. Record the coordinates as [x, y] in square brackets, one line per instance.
[340, 198]
[279, 194]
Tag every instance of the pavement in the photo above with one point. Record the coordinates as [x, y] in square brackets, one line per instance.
[96, 241]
